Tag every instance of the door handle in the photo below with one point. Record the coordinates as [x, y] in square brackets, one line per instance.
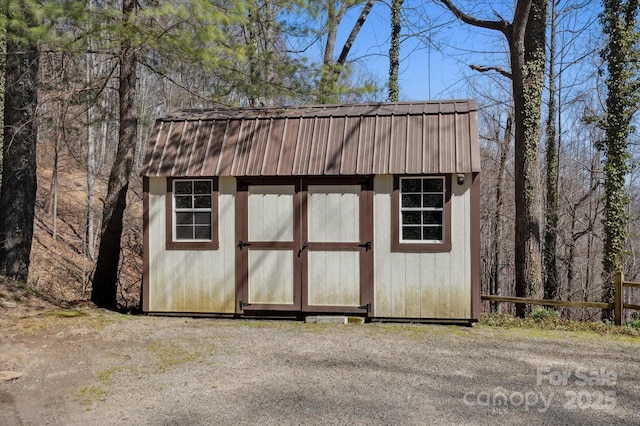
[366, 246]
[304, 246]
[242, 244]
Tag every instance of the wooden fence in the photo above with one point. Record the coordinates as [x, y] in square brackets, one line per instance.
[618, 306]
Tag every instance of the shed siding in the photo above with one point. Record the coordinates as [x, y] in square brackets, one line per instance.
[191, 280]
[334, 278]
[271, 276]
[334, 213]
[422, 285]
[271, 212]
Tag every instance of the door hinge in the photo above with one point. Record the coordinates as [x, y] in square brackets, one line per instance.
[367, 307]
[243, 305]
[242, 244]
[366, 246]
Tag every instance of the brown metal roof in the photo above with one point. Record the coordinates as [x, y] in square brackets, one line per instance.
[360, 139]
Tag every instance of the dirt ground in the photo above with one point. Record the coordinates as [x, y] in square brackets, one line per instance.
[89, 366]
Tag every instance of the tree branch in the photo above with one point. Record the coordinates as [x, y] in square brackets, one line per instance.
[354, 32]
[500, 70]
[500, 25]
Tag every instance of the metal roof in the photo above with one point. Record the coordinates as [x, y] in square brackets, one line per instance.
[360, 139]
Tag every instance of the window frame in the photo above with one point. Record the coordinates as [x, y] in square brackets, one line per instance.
[171, 242]
[403, 246]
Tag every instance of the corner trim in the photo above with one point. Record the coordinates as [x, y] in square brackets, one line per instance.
[145, 246]
[476, 305]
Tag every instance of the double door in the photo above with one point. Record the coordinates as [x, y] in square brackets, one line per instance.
[305, 245]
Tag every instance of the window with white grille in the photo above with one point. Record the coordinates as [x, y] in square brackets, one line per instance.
[422, 209]
[192, 210]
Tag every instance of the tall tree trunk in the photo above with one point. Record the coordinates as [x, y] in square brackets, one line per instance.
[328, 90]
[91, 151]
[394, 50]
[498, 220]
[253, 92]
[577, 234]
[54, 179]
[18, 192]
[526, 38]
[3, 56]
[571, 255]
[551, 156]
[105, 277]
[325, 90]
[619, 21]
[527, 162]
[91, 182]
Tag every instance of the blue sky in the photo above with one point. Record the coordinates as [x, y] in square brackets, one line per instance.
[441, 70]
[426, 71]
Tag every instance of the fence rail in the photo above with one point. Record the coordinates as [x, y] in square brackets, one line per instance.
[617, 306]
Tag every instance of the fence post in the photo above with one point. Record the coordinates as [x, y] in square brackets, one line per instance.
[618, 298]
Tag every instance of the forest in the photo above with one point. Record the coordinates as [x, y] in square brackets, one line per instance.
[557, 84]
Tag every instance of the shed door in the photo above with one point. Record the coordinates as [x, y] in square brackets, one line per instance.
[267, 245]
[335, 261]
[305, 245]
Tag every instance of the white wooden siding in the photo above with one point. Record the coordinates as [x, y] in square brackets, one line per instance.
[192, 280]
[335, 210]
[334, 216]
[271, 276]
[271, 212]
[334, 278]
[422, 285]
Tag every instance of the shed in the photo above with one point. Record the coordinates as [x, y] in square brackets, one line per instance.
[366, 209]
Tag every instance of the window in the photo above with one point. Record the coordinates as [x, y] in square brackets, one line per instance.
[421, 219]
[192, 224]
[421, 210]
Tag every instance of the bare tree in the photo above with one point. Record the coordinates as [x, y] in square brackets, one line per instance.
[551, 177]
[394, 50]
[526, 39]
[620, 25]
[331, 69]
[105, 276]
[18, 192]
[498, 218]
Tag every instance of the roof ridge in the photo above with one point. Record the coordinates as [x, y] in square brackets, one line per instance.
[315, 110]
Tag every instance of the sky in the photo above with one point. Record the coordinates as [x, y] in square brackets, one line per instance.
[440, 70]
[434, 70]
[434, 59]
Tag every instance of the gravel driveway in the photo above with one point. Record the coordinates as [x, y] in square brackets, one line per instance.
[102, 368]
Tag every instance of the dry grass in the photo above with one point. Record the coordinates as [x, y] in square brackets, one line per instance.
[555, 322]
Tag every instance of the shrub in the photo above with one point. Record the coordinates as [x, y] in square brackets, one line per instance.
[544, 314]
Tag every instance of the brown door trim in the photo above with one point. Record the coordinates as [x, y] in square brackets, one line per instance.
[366, 236]
[244, 245]
[366, 257]
[242, 260]
[301, 246]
